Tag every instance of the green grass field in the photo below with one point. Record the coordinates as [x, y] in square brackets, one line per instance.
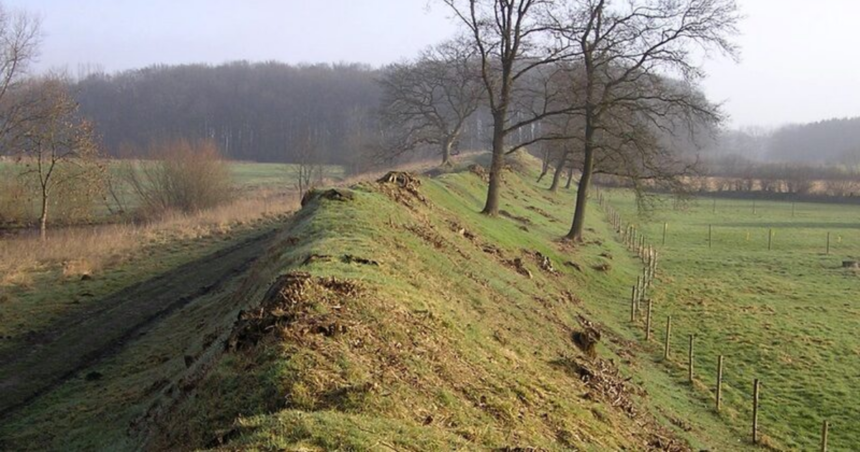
[275, 176]
[787, 316]
[247, 177]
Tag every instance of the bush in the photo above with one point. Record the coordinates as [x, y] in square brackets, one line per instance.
[15, 201]
[181, 175]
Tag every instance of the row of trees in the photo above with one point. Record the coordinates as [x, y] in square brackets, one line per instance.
[607, 87]
[738, 174]
[255, 112]
[835, 141]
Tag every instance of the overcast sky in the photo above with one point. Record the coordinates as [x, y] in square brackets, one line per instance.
[801, 58]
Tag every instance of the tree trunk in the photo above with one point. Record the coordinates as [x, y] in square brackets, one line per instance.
[545, 166]
[43, 218]
[446, 151]
[575, 233]
[576, 229]
[569, 177]
[559, 170]
[496, 166]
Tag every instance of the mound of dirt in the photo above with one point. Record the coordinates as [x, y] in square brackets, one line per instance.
[289, 305]
[603, 268]
[402, 187]
[587, 340]
[334, 194]
[479, 171]
[545, 263]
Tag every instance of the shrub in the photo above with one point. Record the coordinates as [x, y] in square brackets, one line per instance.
[181, 175]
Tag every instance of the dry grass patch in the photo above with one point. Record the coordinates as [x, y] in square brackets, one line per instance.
[79, 251]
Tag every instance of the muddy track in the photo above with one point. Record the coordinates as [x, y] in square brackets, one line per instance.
[70, 346]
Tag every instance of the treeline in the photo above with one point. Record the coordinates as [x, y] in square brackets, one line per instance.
[830, 142]
[835, 141]
[743, 175]
[251, 111]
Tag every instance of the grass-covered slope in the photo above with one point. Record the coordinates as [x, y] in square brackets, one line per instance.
[406, 320]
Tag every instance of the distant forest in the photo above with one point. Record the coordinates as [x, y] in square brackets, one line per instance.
[830, 142]
[253, 111]
[258, 111]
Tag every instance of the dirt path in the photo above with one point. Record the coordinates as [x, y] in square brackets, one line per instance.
[71, 345]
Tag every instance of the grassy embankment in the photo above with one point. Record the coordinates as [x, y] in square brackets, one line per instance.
[415, 328]
[787, 316]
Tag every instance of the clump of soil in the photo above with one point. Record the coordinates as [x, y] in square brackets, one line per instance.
[293, 303]
[517, 218]
[402, 187]
[607, 384]
[479, 171]
[517, 264]
[350, 259]
[333, 194]
[543, 213]
[574, 265]
[459, 229]
[428, 235]
[603, 268]
[587, 340]
[545, 263]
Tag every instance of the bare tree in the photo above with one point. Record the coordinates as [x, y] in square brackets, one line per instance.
[20, 37]
[427, 102]
[56, 146]
[307, 168]
[628, 52]
[513, 42]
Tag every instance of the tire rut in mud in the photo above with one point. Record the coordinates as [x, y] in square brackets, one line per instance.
[71, 345]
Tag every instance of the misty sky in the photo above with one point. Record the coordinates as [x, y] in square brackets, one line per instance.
[800, 62]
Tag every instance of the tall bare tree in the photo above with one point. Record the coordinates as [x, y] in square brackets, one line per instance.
[56, 146]
[513, 42]
[630, 51]
[427, 102]
[20, 37]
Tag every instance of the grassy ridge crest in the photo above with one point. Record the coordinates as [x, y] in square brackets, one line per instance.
[404, 319]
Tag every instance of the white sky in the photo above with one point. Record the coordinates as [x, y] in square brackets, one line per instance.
[800, 61]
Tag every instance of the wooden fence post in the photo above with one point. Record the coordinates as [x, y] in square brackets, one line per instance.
[824, 431]
[665, 229]
[719, 383]
[828, 243]
[668, 337]
[756, 386]
[648, 323]
[633, 304]
[710, 235]
[690, 361]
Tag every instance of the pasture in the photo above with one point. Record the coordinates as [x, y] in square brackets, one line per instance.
[258, 179]
[785, 312]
